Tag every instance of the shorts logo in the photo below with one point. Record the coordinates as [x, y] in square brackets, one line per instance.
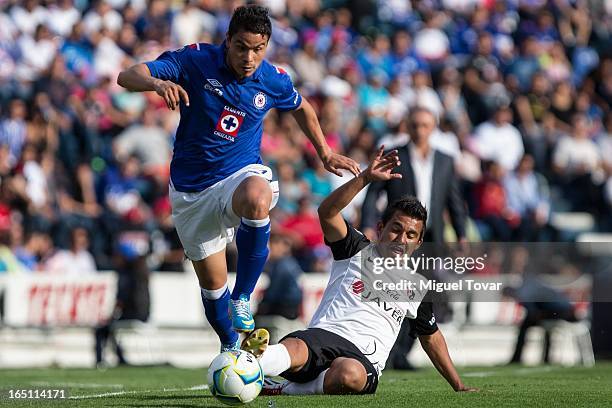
[229, 122]
[259, 100]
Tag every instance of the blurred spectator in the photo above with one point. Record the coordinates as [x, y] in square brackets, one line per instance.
[481, 76]
[318, 181]
[283, 296]
[29, 15]
[308, 64]
[76, 261]
[498, 140]
[13, 130]
[374, 99]
[102, 16]
[577, 161]
[133, 297]
[149, 142]
[542, 303]
[293, 189]
[422, 94]
[167, 245]
[62, 17]
[304, 231]
[37, 52]
[528, 196]
[492, 206]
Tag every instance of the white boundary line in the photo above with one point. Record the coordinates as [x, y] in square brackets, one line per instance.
[76, 384]
[518, 371]
[118, 393]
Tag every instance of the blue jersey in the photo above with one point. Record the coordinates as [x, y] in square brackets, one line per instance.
[220, 131]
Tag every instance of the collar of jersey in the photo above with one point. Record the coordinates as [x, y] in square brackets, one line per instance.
[223, 64]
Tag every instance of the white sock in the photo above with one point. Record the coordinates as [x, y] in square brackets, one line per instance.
[213, 294]
[275, 360]
[256, 223]
[314, 387]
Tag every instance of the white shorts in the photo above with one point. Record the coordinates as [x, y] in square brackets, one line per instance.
[205, 220]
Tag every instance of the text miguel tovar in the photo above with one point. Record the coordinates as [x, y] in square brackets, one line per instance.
[434, 285]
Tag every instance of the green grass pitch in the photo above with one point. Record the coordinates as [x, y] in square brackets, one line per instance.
[512, 386]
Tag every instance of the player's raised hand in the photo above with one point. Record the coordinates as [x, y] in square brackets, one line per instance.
[172, 93]
[381, 167]
[334, 162]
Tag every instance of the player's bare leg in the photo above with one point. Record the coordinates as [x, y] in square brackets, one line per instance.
[211, 271]
[344, 376]
[251, 202]
[212, 276]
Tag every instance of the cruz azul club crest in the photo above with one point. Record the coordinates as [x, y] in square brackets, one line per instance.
[259, 100]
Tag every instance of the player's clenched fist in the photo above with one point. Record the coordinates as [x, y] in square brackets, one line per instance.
[172, 93]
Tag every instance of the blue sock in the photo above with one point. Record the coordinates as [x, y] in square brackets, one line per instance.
[216, 304]
[252, 243]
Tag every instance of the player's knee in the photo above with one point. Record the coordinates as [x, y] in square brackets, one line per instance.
[258, 207]
[350, 375]
[255, 198]
[298, 352]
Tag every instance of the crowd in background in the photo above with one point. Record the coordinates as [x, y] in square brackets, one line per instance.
[521, 90]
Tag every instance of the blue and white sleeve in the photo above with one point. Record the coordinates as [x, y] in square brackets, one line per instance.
[289, 98]
[167, 67]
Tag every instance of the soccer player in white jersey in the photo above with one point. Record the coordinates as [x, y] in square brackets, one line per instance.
[346, 345]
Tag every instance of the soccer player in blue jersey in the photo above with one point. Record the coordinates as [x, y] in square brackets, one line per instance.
[217, 179]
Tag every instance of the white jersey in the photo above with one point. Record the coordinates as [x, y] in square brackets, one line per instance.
[362, 316]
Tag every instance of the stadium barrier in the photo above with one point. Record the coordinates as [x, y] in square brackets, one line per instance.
[48, 320]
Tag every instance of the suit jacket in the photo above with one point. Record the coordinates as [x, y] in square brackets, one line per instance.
[445, 194]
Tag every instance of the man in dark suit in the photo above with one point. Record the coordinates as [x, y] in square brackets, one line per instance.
[429, 175]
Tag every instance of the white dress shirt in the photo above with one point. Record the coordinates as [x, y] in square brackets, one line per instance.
[423, 174]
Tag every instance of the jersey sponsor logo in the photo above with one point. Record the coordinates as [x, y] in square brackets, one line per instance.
[432, 321]
[229, 123]
[259, 100]
[214, 82]
[357, 288]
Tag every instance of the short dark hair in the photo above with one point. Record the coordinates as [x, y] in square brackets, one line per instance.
[409, 205]
[251, 18]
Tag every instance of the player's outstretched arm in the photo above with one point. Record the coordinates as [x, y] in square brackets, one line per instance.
[138, 78]
[332, 223]
[435, 347]
[306, 118]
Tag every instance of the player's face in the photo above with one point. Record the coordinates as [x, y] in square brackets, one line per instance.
[402, 234]
[245, 51]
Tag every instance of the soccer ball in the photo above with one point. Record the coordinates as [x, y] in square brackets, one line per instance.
[235, 377]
